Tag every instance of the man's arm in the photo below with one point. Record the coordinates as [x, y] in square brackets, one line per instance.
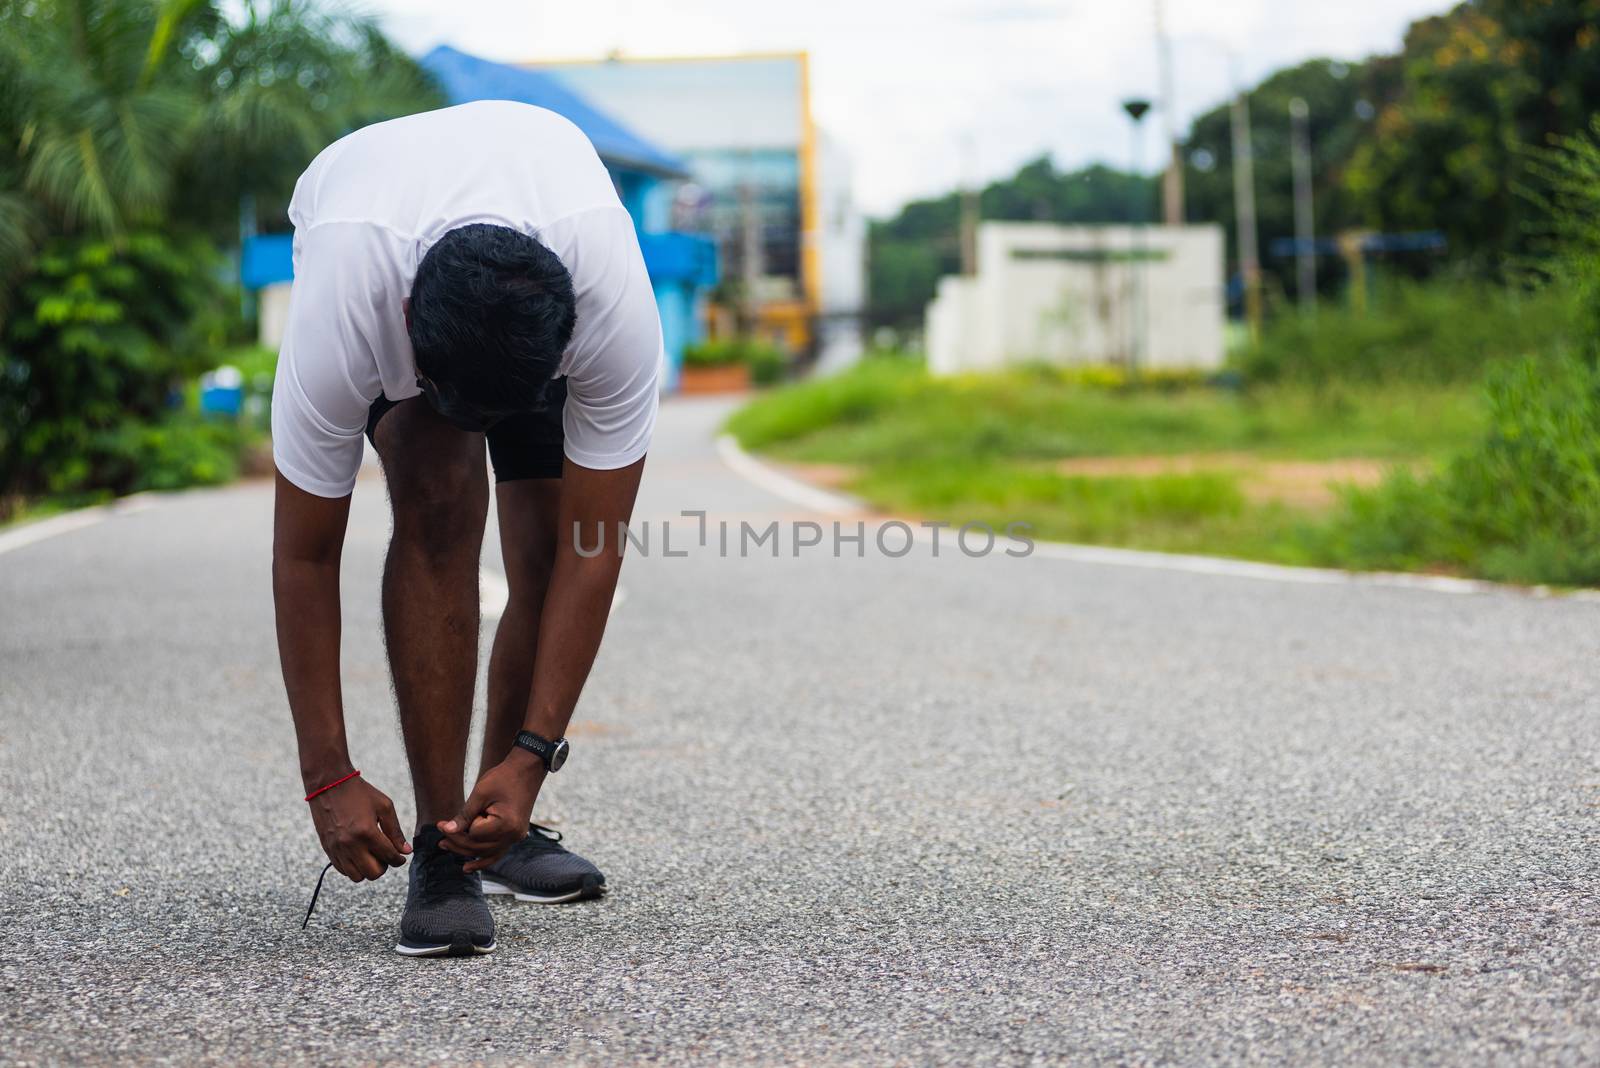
[355, 822]
[576, 607]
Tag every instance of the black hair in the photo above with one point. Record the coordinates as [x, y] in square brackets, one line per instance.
[492, 311]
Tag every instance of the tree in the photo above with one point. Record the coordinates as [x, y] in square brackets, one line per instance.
[1445, 152]
[132, 132]
[108, 106]
[1341, 99]
[1435, 137]
[1557, 47]
[279, 84]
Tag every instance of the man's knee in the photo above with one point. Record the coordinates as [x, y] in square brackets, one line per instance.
[528, 570]
[440, 507]
[528, 537]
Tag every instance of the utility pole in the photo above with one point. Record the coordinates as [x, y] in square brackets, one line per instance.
[1137, 109]
[1352, 246]
[1172, 179]
[969, 208]
[248, 224]
[750, 251]
[1244, 206]
[1304, 220]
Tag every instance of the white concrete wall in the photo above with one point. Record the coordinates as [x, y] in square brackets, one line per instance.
[842, 232]
[842, 250]
[952, 340]
[272, 313]
[1067, 295]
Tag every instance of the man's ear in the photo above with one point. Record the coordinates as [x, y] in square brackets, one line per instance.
[405, 310]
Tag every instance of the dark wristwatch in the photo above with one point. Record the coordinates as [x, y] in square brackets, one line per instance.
[553, 754]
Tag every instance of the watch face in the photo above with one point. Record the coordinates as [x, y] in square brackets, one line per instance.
[558, 755]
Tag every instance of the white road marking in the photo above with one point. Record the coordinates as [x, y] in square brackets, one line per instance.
[781, 485]
[30, 533]
[818, 500]
[1219, 565]
[494, 593]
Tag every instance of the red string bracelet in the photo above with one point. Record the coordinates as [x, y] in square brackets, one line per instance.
[331, 785]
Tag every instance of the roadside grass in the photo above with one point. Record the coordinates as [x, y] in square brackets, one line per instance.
[34, 510]
[990, 448]
[891, 411]
[1521, 503]
[1200, 512]
[1437, 332]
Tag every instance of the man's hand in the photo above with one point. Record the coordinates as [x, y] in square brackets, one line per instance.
[358, 829]
[495, 817]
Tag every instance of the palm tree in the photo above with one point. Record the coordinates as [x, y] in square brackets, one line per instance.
[283, 81]
[108, 107]
[131, 134]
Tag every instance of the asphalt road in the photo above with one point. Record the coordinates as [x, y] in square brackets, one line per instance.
[871, 810]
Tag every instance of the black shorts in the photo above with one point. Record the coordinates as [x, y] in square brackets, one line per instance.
[523, 446]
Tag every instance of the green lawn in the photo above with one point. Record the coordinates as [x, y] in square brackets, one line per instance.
[992, 448]
[889, 410]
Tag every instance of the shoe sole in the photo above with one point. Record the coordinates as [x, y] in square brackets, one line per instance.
[447, 949]
[591, 887]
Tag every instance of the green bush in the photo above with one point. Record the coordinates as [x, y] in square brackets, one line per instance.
[1570, 173]
[181, 450]
[766, 361]
[102, 334]
[720, 352]
[1441, 332]
[768, 364]
[123, 123]
[1522, 505]
[257, 363]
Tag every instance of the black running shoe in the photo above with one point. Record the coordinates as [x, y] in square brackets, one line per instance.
[446, 915]
[540, 869]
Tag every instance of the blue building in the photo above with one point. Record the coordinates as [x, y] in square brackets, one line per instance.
[682, 267]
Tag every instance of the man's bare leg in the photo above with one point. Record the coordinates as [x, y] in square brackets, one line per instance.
[439, 492]
[527, 514]
[537, 869]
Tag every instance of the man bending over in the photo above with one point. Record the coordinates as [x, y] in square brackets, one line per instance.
[461, 276]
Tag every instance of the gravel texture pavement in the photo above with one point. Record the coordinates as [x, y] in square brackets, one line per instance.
[853, 810]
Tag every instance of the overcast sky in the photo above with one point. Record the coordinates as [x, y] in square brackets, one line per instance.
[906, 84]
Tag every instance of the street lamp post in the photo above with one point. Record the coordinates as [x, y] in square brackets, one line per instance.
[1244, 203]
[1137, 108]
[1244, 185]
[1172, 180]
[1304, 219]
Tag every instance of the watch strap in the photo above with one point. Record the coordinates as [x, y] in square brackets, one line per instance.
[542, 747]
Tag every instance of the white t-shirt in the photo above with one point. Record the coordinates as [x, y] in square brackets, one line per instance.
[367, 210]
